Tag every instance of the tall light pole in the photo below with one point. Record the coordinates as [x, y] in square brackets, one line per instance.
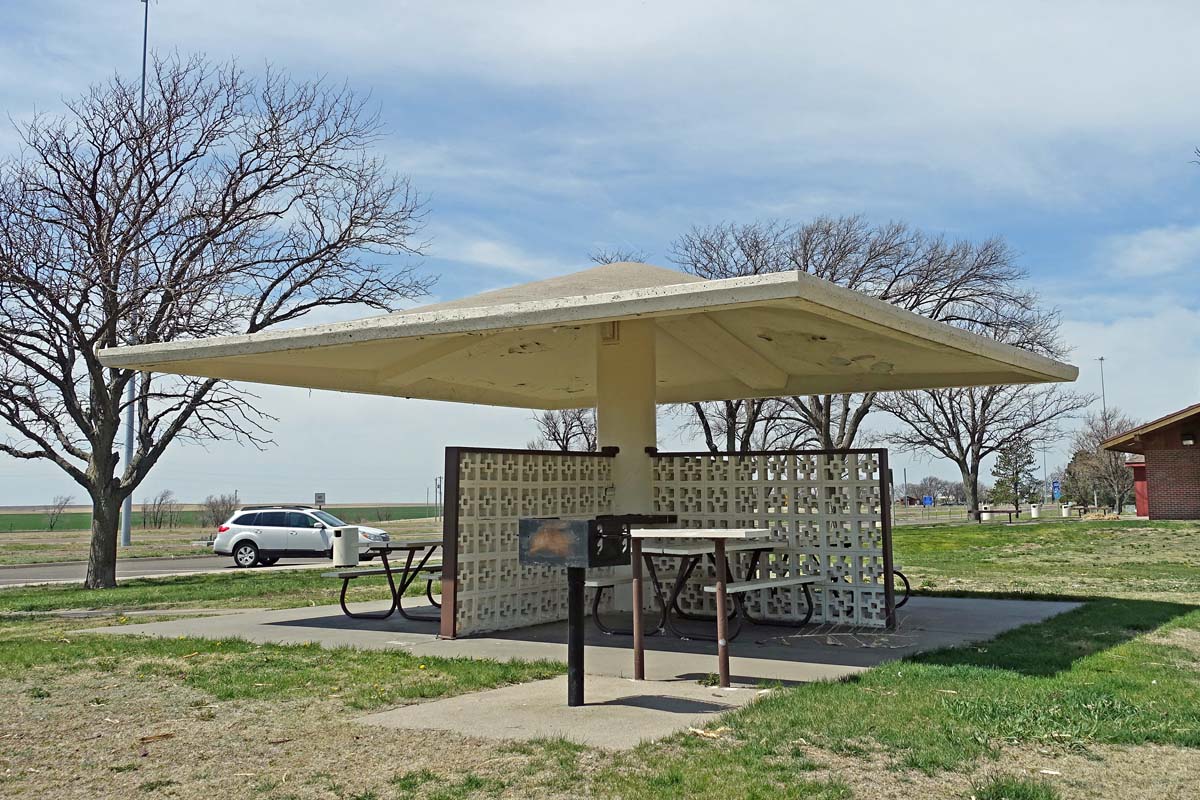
[1045, 477]
[1103, 396]
[127, 506]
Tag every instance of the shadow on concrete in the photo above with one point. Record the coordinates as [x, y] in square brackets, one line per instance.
[340, 622]
[674, 705]
[762, 654]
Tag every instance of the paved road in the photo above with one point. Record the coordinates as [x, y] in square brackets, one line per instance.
[137, 567]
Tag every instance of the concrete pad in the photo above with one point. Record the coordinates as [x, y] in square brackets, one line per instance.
[759, 655]
[617, 716]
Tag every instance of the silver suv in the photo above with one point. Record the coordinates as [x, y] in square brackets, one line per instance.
[264, 534]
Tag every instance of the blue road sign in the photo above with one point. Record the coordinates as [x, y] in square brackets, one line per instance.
[926, 500]
[1056, 489]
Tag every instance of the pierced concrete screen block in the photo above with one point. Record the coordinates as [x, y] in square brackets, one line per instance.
[827, 514]
[494, 489]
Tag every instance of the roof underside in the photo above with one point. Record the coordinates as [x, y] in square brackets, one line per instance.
[534, 346]
[1133, 441]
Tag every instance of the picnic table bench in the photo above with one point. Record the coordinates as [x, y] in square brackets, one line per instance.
[407, 575]
[1011, 512]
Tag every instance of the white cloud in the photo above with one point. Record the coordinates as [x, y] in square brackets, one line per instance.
[482, 248]
[1153, 252]
[1151, 357]
[1015, 97]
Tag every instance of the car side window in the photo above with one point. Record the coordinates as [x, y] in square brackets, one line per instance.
[298, 520]
[246, 519]
[272, 519]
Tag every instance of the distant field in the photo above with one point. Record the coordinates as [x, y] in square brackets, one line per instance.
[193, 518]
[41, 547]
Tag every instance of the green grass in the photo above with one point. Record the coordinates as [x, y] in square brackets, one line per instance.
[1122, 669]
[81, 521]
[1006, 787]
[241, 589]
[41, 652]
[1067, 558]
[1086, 677]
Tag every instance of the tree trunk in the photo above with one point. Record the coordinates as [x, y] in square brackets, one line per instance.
[971, 490]
[102, 560]
[1017, 492]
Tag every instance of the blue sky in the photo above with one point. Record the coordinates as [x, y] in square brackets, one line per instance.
[542, 131]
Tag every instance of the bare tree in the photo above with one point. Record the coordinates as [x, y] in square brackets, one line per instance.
[217, 508]
[230, 206]
[731, 426]
[569, 429]
[1102, 470]
[161, 511]
[932, 486]
[966, 425]
[616, 255]
[958, 282]
[55, 510]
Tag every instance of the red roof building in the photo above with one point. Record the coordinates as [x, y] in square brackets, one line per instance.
[1167, 480]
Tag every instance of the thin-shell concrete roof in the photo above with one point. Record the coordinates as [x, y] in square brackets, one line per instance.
[534, 345]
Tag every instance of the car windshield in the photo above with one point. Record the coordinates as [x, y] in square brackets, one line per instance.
[328, 519]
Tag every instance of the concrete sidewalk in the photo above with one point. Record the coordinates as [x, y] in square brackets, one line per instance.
[619, 713]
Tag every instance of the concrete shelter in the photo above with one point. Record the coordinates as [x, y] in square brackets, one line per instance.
[624, 338]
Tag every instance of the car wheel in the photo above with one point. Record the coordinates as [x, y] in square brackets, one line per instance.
[245, 554]
[266, 562]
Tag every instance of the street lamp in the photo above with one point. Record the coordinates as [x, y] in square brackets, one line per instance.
[127, 506]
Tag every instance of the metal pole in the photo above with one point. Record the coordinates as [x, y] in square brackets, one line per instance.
[1045, 478]
[1103, 396]
[127, 506]
[575, 636]
[722, 615]
[639, 651]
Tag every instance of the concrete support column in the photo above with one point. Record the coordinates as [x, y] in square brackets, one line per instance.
[625, 410]
[625, 418]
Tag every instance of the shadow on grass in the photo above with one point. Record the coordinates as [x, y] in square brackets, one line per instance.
[1047, 648]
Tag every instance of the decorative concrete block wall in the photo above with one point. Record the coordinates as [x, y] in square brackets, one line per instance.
[826, 510]
[828, 514]
[486, 493]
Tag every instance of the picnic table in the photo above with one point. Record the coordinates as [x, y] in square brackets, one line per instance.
[406, 575]
[691, 554]
[691, 546]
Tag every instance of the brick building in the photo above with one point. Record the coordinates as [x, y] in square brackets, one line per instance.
[1172, 463]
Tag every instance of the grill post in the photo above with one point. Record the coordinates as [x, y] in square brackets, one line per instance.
[639, 651]
[575, 636]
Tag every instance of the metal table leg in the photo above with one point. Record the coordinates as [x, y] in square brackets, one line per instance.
[364, 614]
[686, 568]
[410, 575]
[722, 619]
